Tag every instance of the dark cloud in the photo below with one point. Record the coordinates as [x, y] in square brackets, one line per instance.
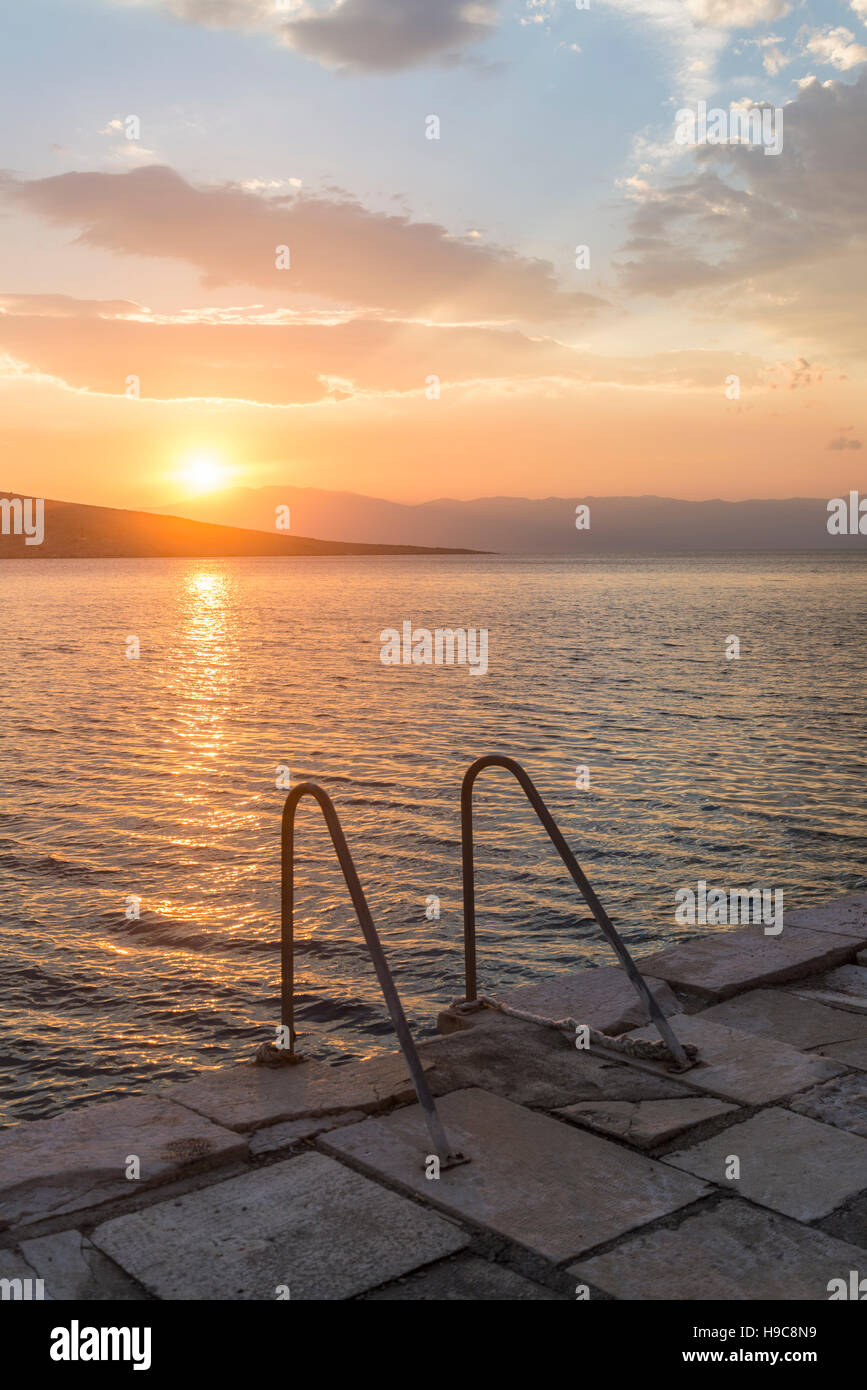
[360, 35]
[382, 35]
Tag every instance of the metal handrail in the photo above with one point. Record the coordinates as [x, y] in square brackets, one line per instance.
[579, 877]
[377, 955]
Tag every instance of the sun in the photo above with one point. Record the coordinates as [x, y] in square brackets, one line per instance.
[202, 472]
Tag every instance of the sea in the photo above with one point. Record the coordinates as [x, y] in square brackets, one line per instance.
[152, 713]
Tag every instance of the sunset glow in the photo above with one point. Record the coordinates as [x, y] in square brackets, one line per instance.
[203, 473]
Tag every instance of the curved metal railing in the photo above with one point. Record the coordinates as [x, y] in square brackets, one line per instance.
[377, 955]
[578, 876]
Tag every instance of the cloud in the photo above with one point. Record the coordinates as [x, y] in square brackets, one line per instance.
[787, 233]
[281, 360]
[837, 48]
[359, 35]
[338, 250]
[695, 44]
[842, 443]
[736, 14]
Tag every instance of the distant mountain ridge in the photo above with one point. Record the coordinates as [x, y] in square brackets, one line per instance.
[545, 526]
[74, 530]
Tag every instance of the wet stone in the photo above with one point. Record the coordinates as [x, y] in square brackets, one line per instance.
[736, 1251]
[645, 1123]
[79, 1158]
[841, 1102]
[787, 1014]
[534, 1066]
[745, 1067]
[306, 1228]
[796, 1166]
[724, 962]
[545, 1185]
[249, 1096]
[845, 917]
[603, 998]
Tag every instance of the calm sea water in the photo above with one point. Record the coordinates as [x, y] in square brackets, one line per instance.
[156, 778]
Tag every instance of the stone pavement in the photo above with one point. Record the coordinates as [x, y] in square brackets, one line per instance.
[743, 1178]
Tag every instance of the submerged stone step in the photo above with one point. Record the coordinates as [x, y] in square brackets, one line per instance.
[789, 1015]
[794, 1165]
[80, 1158]
[305, 1228]
[249, 1096]
[724, 963]
[541, 1183]
[745, 1067]
[736, 1251]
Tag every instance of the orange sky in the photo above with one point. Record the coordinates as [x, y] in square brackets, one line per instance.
[431, 334]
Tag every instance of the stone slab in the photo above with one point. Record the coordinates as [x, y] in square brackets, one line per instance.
[534, 1066]
[249, 1096]
[466, 1278]
[745, 1067]
[308, 1224]
[646, 1123]
[273, 1138]
[796, 1166]
[861, 958]
[73, 1269]
[845, 917]
[545, 1185]
[849, 1223]
[788, 1015]
[851, 1054]
[841, 1102]
[603, 998]
[78, 1158]
[14, 1266]
[843, 988]
[724, 962]
[735, 1252]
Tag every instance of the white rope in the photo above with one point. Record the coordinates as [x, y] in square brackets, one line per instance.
[643, 1048]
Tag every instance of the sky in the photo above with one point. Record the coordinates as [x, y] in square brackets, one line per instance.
[337, 245]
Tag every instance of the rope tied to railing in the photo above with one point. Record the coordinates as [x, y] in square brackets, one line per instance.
[643, 1049]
